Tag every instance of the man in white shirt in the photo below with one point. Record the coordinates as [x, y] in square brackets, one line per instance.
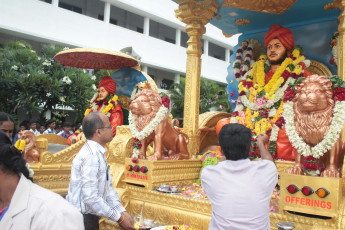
[90, 188]
[33, 128]
[240, 189]
[50, 127]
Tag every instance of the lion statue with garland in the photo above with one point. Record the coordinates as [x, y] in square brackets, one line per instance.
[149, 121]
[314, 120]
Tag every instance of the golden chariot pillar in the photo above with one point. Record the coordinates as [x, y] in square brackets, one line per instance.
[341, 29]
[195, 14]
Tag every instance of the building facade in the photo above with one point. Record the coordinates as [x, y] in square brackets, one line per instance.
[147, 28]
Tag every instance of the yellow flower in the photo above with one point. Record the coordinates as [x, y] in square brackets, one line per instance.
[298, 69]
[87, 111]
[17, 144]
[295, 53]
[22, 145]
[256, 114]
[110, 104]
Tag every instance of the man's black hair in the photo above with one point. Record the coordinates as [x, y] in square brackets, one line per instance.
[66, 124]
[235, 140]
[50, 121]
[91, 123]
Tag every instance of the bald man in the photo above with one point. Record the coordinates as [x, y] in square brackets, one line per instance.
[90, 188]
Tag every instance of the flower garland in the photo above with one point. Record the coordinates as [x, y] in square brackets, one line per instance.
[139, 87]
[328, 141]
[239, 68]
[140, 135]
[106, 106]
[310, 166]
[334, 45]
[31, 172]
[335, 128]
[20, 145]
[260, 106]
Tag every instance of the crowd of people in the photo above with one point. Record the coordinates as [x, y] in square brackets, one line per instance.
[66, 129]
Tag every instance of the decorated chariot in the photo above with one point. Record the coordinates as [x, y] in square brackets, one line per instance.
[306, 139]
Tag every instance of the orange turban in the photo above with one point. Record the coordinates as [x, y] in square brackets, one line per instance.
[283, 34]
[108, 83]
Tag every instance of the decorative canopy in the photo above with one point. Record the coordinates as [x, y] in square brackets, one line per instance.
[252, 16]
[93, 58]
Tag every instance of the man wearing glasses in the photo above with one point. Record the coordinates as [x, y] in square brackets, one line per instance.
[90, 188]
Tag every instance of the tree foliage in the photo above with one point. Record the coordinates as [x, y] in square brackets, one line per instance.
[212, 96]
[36, 83]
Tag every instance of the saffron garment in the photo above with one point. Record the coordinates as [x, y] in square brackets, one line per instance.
[90, 189]
[240, 193]
[34, 207]
[116, 118]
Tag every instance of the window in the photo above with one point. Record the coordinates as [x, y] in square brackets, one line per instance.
[216, 51]
[126, 19]
[111, 21]
[70, 7]
[163, 32]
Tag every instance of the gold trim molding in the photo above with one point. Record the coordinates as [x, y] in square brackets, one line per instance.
[242, 22]
[264, 6]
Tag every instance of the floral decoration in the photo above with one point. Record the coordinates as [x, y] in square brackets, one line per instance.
[241, 64]
[107, 105]
[310, 166]
[140, 135]
[334, 45]
[261, 105]
[31, 172]
[20, 145]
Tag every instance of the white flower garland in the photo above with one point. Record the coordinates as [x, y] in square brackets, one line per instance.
[162, 112]
[239, 61]
[279, 94]
[328, 141]
[31, 172]
[274, 133]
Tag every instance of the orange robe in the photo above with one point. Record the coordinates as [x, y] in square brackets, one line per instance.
[116, 117]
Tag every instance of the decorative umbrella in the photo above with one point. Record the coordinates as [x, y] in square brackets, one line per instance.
[94, 58]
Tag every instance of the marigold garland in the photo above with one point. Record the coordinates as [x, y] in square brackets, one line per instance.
[255, 96]
[20, 145]
[106, 106]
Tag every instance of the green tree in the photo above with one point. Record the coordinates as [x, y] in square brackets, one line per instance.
[38, 84]
[212, 96]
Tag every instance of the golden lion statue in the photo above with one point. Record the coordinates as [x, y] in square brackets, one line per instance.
[30, 153]
[313, 108]
[167, 140]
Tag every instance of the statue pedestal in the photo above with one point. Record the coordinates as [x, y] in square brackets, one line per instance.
[310, 204]
[170, 172]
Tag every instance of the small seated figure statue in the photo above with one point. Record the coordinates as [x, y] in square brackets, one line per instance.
[27, 144]
[104, 101]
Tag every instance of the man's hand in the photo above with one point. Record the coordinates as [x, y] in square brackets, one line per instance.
[261, 140]
[127, 221]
